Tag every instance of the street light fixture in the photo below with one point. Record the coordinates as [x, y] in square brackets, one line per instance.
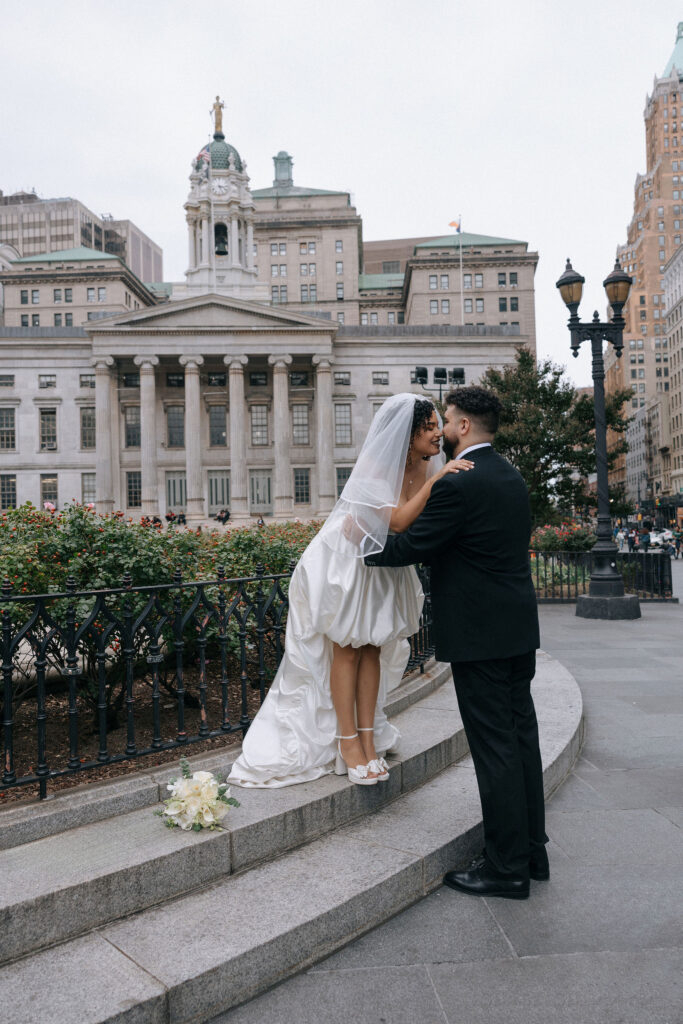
[441, 377]
[606, 598]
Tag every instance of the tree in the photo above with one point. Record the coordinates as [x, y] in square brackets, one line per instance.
[547, 431]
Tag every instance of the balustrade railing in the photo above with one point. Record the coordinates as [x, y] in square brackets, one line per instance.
[93, 678]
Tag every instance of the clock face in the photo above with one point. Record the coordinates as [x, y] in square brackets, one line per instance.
[220, 187]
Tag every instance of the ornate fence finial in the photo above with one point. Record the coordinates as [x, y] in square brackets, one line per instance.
[177, 576]
[221, 572]
[6, 587]
[127, 580]
[70, 584]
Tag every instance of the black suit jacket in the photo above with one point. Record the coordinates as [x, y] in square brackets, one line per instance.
[474, 534]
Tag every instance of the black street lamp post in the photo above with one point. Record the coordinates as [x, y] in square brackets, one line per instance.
[606, 598]
[442, 377]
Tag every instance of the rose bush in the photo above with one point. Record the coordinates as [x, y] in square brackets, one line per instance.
[565, 537]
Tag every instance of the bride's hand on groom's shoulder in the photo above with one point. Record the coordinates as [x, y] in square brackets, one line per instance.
[455, 466]
[351, 530]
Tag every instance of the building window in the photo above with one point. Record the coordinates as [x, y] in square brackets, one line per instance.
[340, 290]
[343, 474]
[56, 294]
[88, 488]
[339, 245]
[273, 248]
[502, 280]
[468, 306]
[48, 489]
[311, 248]
[258, 379]
[175, 380]
[443, 282]
[502, 305]
[275, 294]
[8, 437]
[363, 318]
[47, 380]
[131, 421]
[311, 269]
[48, 430]
[88, 427]
[401, 318]
[391, 317]
[24, 296]
[131, 380]
[303, 269]
[134, 489]
[24, 320]
[283, 293]
[58, 319]
[342, 377]
[479, 305]
[467, 280]
[218, 437]
[35, 320]
[433, 306]
[340, 318]
[391, 266]
[35, 297]
[68, 319]
[302, 486]
[259, 425]
[445, 305]
[175, 426]
[514, 304]
[216, 380]
[380, 377]
[90, 294]
[304, 293]
[339, 267]
[374, 318]
[273, 270]
[478, 280]
[433, 281]
[342, 424]
[313, 292]
[282, 249]
[300, 431]
[6, 380]
[68, 295]
[8, 492]
[101, 294]
[298, 379]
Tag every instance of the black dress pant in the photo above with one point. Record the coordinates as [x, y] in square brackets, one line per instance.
[500, 723]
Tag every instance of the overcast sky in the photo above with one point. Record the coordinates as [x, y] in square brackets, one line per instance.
[525, 117]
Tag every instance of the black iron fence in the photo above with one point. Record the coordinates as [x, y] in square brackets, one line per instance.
[561, 576]
[93, 678]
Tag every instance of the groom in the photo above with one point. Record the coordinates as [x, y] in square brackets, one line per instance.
[474, 533]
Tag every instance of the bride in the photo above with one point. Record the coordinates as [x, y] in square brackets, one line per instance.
[346, 641]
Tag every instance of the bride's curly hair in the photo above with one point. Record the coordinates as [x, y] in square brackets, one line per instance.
[423, 412]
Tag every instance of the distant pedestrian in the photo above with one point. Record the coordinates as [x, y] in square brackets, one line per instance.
[678, 534]
[645, 539]
[620, 539]
[631, 539]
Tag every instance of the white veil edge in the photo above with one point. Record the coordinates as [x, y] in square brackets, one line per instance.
[374, 486]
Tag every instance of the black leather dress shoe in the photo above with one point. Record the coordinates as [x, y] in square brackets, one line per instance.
[480, 879]
[539, 868]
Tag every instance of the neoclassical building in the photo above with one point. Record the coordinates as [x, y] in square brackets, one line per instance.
[237, 394]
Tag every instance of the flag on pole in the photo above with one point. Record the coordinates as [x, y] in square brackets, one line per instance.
[455, 224]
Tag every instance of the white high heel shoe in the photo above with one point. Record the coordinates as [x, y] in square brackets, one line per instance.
[378, 764]
[357, 775]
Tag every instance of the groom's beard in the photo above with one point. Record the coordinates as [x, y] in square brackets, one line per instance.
[448, 448]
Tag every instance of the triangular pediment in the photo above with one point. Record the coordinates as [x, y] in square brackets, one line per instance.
[211, 312]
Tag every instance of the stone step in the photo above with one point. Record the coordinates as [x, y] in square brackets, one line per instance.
[68, 883]
[212, 949]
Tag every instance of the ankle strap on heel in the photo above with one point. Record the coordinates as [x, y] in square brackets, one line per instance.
[355, 736]
[370, 728]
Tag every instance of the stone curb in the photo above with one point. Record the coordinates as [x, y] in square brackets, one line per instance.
[210, 950]
[65, 884]
[97, 801]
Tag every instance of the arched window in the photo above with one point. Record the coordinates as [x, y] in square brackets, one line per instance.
[220, 235]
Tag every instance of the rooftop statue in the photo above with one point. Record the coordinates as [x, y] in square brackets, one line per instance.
[218, 114]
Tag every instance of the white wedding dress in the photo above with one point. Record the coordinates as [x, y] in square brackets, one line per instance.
[333, 596]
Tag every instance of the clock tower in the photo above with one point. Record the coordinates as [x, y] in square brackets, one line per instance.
[220, 223]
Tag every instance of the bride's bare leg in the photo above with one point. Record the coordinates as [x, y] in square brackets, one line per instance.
[367, 689]
[343, 685]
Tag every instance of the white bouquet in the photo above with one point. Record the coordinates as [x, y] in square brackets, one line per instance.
[198, 800]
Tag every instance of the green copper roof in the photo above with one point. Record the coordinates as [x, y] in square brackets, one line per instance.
[455, 241]
[81, 253]
[293, 190]
[220, 154]
[375, 281]
[676, 60]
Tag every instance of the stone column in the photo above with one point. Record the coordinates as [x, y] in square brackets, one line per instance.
[324, 423]
[148, 435]
[250, 245]
[193, 439]
[282, 498]
[239, 505]
[191, 247]
[104, 497]
[206, 241]
[234, 242]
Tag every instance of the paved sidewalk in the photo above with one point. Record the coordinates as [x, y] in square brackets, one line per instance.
[602, 941]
